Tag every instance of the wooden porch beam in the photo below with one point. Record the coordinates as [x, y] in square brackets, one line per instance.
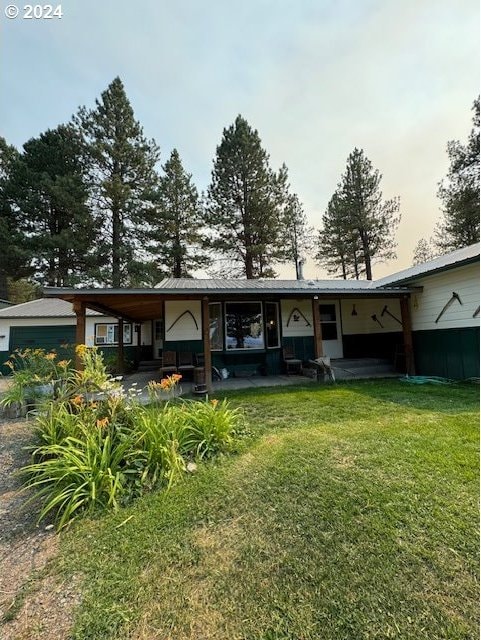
[79, 310]
[407, 336]
[206, 341]
[316, 321]
[108, 311]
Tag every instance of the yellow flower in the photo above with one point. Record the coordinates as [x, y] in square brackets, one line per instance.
[63, 363]
[214, 402]
[80, 349]
[102, 423]
[9, 364]
[50, 356]
[77, 401]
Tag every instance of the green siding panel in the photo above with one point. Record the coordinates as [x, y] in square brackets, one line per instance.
[3, 358]
[451, 353]
[194, 346]
[302, 347]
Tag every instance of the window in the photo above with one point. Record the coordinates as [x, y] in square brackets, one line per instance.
[243, 325]
[327, 314]
[108, 333]
[272, 324]
[216, 329]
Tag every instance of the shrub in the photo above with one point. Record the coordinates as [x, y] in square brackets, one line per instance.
[33, 372]
[98, 451]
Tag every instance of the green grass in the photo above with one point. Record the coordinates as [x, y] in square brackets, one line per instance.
[350, 513]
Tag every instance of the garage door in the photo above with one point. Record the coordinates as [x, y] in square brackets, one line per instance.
[61, 338]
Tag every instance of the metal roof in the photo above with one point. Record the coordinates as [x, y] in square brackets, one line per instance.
[457, 258]
[42, 308]
[254, 286]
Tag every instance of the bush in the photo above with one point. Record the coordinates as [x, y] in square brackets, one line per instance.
[99, 451]
[33, 374]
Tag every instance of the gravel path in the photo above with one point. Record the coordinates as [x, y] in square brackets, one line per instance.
[33, 605]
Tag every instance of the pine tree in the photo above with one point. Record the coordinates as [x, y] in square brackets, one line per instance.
[338, 248]
[423, 251]
[243, 209]
[459, 192]
[14, 256]
[176, 238]
[47, 186]
[122, 181]
[297, 237]
[371, 219]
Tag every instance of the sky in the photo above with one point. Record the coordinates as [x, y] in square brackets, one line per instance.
[316, 78]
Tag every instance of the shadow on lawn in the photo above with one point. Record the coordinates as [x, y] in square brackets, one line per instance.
[458, 397]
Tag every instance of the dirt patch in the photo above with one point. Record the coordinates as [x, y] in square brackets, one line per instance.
[4, 384]
[39, 608]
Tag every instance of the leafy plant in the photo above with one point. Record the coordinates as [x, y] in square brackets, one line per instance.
[100, 449]
[82, 474]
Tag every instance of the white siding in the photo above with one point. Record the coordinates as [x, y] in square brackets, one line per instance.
[90, 330]
[438, 289]
[362, 323]
[303, 326]
[4, 335]
[188, 326]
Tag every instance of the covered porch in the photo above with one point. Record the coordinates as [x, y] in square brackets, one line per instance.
[246, 327]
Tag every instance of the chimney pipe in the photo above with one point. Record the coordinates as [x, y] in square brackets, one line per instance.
[300, 264]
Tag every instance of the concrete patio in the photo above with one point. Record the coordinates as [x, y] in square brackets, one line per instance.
[344, 369]
[140, 380]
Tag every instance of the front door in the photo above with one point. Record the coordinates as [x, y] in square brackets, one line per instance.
[330, 316]
[158, 341]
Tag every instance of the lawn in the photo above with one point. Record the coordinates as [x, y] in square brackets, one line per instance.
[349, 512]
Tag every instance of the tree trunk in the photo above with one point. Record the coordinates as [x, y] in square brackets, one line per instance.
[3, 286]
[115, 247]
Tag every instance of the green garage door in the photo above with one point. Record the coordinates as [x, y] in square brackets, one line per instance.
[52, 337]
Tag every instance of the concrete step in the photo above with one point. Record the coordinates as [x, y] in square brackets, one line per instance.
[149, 365]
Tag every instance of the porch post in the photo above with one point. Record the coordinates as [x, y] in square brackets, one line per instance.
[316, 320]
[206, 341]
[120, 348]
[407, 335]
[79, 310]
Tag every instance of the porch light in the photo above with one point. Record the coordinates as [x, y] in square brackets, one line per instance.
[353, 312]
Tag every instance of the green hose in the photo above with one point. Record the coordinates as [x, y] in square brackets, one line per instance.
[426, 380]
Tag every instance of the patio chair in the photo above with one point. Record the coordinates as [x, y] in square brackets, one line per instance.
[186, 363]
[292, 363]
[169, 363]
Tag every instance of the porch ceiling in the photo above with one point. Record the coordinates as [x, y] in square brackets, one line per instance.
[136, 305]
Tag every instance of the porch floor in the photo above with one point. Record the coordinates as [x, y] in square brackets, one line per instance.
[140, 380]
[344, 369]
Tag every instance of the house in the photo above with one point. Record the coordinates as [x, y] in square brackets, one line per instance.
[244, 326]
[445, 313]
[51, 324]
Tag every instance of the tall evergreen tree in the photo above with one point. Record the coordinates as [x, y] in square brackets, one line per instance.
[123, 181]
[176, 238]
[423, 251]
[338, 248]
[47, 185]
[243, 209]
[360, 214]
[13, 254]
[459, 192]
[297, 237]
